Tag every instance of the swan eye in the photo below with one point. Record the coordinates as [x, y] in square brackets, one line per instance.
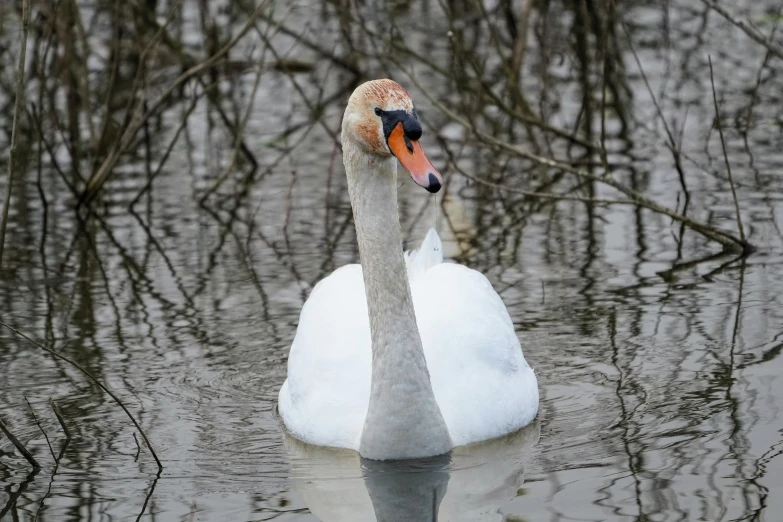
[378, 111]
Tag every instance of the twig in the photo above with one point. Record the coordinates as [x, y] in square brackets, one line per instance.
[35, 116]
[288, 204]
[754, 92]
[97, 382]
[531, 193]
[237, 140]
[138, 448]
[27, 455]
[131, 113]
[18, 103]
[675, 150]
[60, 418]
[488, 94]
[41, 502]
[166, 154]
[770, 45]
[138, 77]
[40, 427]
[605, 66]
[520, 46]
[726, 239]
[108, 164]
[278, 25]
[725, 153]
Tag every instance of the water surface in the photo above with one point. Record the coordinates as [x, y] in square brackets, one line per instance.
[658, 357]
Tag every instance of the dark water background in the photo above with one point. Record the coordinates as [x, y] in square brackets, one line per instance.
[658, 358]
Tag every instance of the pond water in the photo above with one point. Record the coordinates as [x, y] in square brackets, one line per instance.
[658, 358]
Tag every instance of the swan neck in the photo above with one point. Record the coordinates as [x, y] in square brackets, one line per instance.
[403, 419]
[373, 190]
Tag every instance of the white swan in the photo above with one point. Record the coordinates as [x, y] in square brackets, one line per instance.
[403, 356]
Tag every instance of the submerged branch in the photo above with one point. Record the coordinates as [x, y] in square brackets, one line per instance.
[26, 454]
[35, 418]
[97, 382]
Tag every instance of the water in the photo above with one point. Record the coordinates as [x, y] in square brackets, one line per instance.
[658, 358]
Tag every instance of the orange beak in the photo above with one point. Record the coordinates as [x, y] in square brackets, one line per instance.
[413, 159]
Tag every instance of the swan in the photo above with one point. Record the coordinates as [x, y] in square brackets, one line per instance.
[402, 356]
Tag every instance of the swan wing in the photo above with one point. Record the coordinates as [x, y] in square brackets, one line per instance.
[324, 400]
[479, 375]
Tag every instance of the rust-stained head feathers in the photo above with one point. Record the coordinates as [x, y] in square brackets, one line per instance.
[380, 119]
[360, 118]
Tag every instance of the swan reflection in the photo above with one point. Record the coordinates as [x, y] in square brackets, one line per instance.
[471, 483]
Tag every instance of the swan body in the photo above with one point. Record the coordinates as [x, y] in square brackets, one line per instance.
[481, 381]
[403, 355]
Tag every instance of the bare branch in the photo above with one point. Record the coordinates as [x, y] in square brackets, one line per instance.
[170, 147]
[103, 173]
[96, 381]
[26, 454]
[725, 154]
[60, 418]
[18, 104]
[531, 193]
[237, 140]
[35, 418]
[673, 145]
[726, 239]
[138, 448]
[744, 27]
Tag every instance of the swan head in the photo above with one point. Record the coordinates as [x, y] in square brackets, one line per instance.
[381, 120]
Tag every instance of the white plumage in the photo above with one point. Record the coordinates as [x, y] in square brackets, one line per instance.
[481, 381]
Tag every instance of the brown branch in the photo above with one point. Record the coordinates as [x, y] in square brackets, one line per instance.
[739, 24]
[520, 43]
[18, 103]
[170, 147]
[725, 153]
[132, 114]
[27, 455]
[673, 146]
[726, 239]
[278, 25]
[97, 382]
[108, 164]
[531, 193]
[237, 140]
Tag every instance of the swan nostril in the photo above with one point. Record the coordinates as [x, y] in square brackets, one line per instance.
[434, 184]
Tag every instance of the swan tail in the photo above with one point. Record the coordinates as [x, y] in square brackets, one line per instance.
[429, 254]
